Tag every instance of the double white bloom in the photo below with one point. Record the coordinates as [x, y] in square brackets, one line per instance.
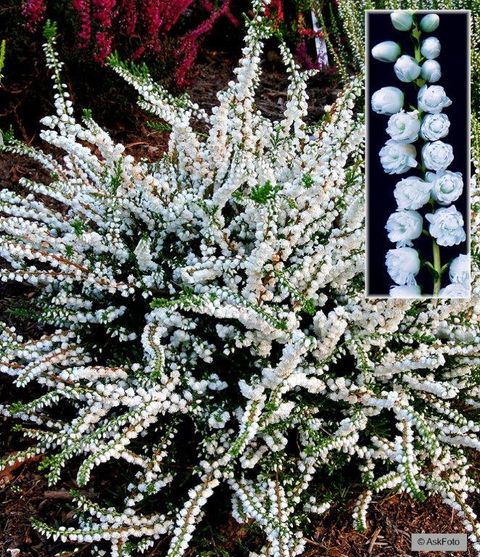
[437, 155]
[434, 127]
[404, 126]
[405, 291]
[403, 264]
[404, 226]
[460, 269]
[397, 157]
[433, 99]
[412, 193]
[446, 226]
[447, 187]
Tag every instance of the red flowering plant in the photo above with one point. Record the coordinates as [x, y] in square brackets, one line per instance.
[150, 25]
[101, 25]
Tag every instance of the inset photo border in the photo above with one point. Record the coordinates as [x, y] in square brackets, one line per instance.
[417, 96]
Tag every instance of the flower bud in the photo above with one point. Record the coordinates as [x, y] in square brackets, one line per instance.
[431, 71]
[429, 23]
[430, 48]
[388, 51]
[402, 20]
[406, 69]
[387, 100]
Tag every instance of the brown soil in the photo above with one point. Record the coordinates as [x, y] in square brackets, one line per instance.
[391, 520]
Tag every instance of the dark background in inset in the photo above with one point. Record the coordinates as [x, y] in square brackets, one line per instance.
[453, 34]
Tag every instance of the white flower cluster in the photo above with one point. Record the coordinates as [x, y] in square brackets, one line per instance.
[436, 185]
[206, 324]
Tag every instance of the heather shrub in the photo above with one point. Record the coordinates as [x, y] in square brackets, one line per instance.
[215, 298]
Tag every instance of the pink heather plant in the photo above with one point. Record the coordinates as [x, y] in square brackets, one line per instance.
[190, 43]
[82, 7]
[101, 24]
[33, 10]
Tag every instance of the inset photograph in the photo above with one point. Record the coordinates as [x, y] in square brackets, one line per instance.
[418, 152]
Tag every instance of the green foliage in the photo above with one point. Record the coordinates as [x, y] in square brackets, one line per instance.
[50, 30]
[307, 181]
[116, 177]
[87, 114]
[160, 127]
[138, 70]
[78, 226]
[263, 193]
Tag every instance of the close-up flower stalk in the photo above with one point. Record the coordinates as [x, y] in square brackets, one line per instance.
[416, 145]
